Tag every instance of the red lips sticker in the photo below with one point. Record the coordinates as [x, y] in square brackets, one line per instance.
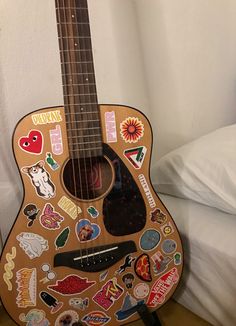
[32, 143]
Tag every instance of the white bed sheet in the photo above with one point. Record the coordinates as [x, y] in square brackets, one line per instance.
[208, 286]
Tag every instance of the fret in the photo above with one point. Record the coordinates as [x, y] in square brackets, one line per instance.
[71, 3]
[79, 89]
[72, 43]
[73, 37]
[80, 94]
[78, 79]
[78, 55]
[85, 143]
[80, 99]
[86, 149]
[75, 129]
[77, 68]
[73, 16]
[83, 107]
[82, 121]
[72, 113]
[79, 136]
[81, 29]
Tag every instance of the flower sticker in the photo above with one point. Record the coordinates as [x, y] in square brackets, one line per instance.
[131, 130]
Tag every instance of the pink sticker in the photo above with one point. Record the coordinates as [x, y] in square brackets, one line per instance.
[56, 140]
[110, 122]
[109, 293]
[50, 219]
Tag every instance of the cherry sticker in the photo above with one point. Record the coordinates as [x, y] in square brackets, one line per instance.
[32, 143]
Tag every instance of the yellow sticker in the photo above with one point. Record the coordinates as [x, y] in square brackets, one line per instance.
[69, 207]
[9, 266]
[46, 117]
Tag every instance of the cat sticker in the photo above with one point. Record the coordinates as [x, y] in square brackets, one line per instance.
[40, 179]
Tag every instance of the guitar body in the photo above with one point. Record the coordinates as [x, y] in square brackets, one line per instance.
[92, 258]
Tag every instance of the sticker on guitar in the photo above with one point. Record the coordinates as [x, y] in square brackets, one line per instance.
[32, 143]
[40, 179]
[131, 130]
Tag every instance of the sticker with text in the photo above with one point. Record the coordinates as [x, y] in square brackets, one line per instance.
[128, 308]
[128, 279]
[32, 143]
[168, 246]
[136, 156]
[71, 285]
[40, 179]
[31, 211]
[50, 219]
[56, 140]
[160, 262]
[50, 275]
[51, 162]
[149, 239]
[62, 238]
[69, 207]
[96, 318]
[69, 317]
[127, 263]
[51, 302]
[8, 267]
[141, 290]
[157, 216]
[46, 117]
[108, 294]
[162, 287]
[87, 231]
[79, 303]
[26, 287]
[34, 317]
[142, 268]
[32, 244]
[131, 130]
[110, 123]
[147, 191]
[167, 229]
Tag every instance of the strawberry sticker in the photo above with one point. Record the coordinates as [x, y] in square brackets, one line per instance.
[32, 143]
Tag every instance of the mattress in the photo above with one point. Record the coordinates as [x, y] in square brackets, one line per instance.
[208, 286]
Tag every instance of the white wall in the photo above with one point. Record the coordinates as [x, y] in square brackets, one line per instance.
[189, 51]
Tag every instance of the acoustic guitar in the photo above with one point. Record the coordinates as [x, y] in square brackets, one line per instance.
[92, 241]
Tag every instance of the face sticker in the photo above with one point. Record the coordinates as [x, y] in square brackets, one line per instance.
[136, 156]
[32, 143]
[68, 317]
[110, 123]
[147, 191]
[34, 317]
[87, 231]
[141, 290]
[131, 130]
[78, 303]
[26, 281]
[177, 258]
[50, 275]
[62, 238]
[93, 212]
[96, 318]
[32, 244]
[50, 219]
[108, 294]
[103, 276]
[129, 307]
[50, 301]
[31, 211]
[128, 280]
[69, 207]
[162, 287]
[40, 179]
[127, 263]
[149, 239]
[157, 216]
[51, 162]
[56, 140]
[142, 268]
[160, 262]
[71, 285]
[167, 229]
[46, 117]
[168, 246]
[8, 267]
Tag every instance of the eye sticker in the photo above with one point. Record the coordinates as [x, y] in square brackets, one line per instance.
[32, 143]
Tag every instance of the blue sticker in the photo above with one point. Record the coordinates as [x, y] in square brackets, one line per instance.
[87, 231]
[129, 307]
[150, 239]
[168, 246]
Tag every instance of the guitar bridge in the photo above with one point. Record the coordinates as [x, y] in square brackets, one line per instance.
[95, 259]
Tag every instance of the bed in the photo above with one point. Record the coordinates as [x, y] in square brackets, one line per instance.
[197, 183]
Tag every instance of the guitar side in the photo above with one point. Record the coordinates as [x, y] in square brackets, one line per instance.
[37, 282]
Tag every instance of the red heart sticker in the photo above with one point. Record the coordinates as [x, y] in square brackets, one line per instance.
[32, 143]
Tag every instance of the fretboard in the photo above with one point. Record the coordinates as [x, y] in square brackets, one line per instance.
[78, 78]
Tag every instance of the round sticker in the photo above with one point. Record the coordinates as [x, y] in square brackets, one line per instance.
[149, 239]
[168, 246]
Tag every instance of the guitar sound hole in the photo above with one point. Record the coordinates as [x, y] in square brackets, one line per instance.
[87, 178]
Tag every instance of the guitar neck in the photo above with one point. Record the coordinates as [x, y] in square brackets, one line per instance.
[78, 78]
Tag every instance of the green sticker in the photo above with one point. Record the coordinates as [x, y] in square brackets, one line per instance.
[62, 238]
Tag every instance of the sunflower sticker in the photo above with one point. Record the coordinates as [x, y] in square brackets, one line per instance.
[131, 130]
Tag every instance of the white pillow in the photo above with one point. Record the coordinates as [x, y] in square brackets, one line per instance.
[203, 170]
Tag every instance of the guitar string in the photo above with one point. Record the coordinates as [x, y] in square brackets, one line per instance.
[85, 18]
